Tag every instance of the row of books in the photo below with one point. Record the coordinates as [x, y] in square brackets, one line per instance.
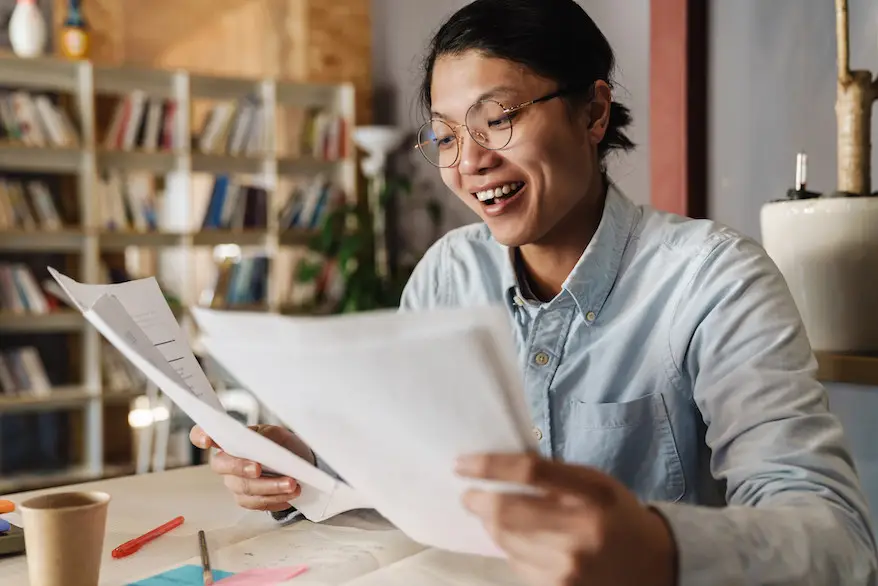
[34, 119]
[235, 205]
[20, 292]
[309, 203]
[119, 375]
[234, 127]
[127, 200]
[28, 205]
[313, 133]
[22, 372]
[142, 122]
[240, 282]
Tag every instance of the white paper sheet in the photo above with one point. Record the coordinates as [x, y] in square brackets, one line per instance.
[143, 300]
[296, 333]
[322, 495]
[390, 411]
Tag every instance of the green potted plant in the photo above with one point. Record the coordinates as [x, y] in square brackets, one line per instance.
[352, 241]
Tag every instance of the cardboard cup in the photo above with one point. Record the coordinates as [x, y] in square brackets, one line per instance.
[64, 537]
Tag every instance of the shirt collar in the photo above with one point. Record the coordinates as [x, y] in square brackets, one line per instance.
[593, 276]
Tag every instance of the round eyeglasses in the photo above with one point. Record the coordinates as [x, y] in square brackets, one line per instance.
[488, 122]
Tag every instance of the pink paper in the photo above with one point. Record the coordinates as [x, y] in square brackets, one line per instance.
[263, 576]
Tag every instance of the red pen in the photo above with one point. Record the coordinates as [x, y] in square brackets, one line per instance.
[130, 547]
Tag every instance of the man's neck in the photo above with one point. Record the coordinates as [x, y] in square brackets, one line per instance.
[549, 262]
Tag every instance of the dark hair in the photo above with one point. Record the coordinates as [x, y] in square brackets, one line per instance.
[555, 39]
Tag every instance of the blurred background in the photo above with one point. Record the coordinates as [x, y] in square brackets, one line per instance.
[252, 154]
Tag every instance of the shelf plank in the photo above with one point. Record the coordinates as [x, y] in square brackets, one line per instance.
[56, 321]
[224, 164]
[50, 479]
[211, 237]
[307, 166]
[112, 79]
[157, 161]
[297, 237]
[41, 73]
[847, 368]
[42, 240]
[59, 398]
[121, 240]
[62, 398]
[19, 157]
[214, 87]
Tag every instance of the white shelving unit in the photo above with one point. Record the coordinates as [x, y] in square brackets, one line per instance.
[182, 249]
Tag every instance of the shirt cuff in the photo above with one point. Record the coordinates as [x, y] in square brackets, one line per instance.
[704, 541]
[286, 516]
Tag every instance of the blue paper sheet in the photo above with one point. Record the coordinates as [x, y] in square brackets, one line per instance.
[182, 576]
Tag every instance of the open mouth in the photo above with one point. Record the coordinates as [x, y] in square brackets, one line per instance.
[492, 196]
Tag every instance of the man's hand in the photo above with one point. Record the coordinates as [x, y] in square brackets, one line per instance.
[243, 478]
[584, 527]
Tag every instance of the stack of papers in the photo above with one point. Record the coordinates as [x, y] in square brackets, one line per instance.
[388, 400]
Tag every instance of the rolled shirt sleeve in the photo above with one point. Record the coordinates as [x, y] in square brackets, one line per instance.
[795, 513]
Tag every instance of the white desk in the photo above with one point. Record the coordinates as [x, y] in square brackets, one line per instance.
[355, 549]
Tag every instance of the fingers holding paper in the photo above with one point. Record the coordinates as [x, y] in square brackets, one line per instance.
[582, 527]
[252, 490]
[247, 481]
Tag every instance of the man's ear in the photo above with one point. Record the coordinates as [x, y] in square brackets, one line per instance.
[599, 112]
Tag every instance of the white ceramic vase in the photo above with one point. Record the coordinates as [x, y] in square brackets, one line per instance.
[827, 250]
[27, 29]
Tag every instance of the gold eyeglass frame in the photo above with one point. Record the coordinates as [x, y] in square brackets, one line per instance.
[506, 111]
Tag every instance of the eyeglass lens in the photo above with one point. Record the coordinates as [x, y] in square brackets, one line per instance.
[487, 124]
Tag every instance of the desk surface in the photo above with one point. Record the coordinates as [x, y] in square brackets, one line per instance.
[355, 549]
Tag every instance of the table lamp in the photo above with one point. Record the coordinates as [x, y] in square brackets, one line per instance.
[378, 142]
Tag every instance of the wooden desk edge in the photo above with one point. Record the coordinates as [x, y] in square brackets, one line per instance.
[846, 368]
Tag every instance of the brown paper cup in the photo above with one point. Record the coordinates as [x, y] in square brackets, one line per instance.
[64, 537]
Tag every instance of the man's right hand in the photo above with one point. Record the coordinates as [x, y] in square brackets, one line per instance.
[244, 478]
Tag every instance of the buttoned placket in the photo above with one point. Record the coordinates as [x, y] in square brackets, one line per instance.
[544, 344]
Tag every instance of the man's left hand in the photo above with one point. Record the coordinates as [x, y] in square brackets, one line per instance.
[584, 528]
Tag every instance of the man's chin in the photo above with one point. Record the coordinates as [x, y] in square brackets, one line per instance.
[509, 235]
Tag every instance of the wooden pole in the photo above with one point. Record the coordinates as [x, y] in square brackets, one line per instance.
[678, 106]
[853, 109]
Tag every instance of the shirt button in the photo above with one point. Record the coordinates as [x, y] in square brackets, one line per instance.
[590, 316]
[538, 434]
[541, 358]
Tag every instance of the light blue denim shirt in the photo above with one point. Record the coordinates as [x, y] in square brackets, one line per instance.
[675, 360]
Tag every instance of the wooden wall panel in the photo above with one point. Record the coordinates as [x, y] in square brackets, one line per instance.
[224, 37]
[303, 40]
[339, 47]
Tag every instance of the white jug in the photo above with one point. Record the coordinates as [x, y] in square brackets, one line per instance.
[27, 29]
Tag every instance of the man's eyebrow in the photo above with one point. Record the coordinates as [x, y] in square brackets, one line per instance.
[493, 93]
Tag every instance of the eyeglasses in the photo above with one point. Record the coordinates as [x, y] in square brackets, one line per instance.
[488, 122]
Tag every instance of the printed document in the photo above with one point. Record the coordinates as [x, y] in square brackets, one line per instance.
[135, 318]
[389, 400]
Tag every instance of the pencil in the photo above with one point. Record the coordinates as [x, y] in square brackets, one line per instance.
[206, 573]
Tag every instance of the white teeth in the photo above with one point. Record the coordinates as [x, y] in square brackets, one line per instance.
[498, 191]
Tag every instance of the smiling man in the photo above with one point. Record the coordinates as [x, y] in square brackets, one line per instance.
[683, 438]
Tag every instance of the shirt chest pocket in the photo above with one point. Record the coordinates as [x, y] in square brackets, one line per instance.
[631, 441]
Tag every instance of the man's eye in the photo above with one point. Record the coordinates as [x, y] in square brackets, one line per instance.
[444, 141]
[502, 122]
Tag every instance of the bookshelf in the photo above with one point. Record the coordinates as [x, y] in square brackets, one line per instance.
[263, 137]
